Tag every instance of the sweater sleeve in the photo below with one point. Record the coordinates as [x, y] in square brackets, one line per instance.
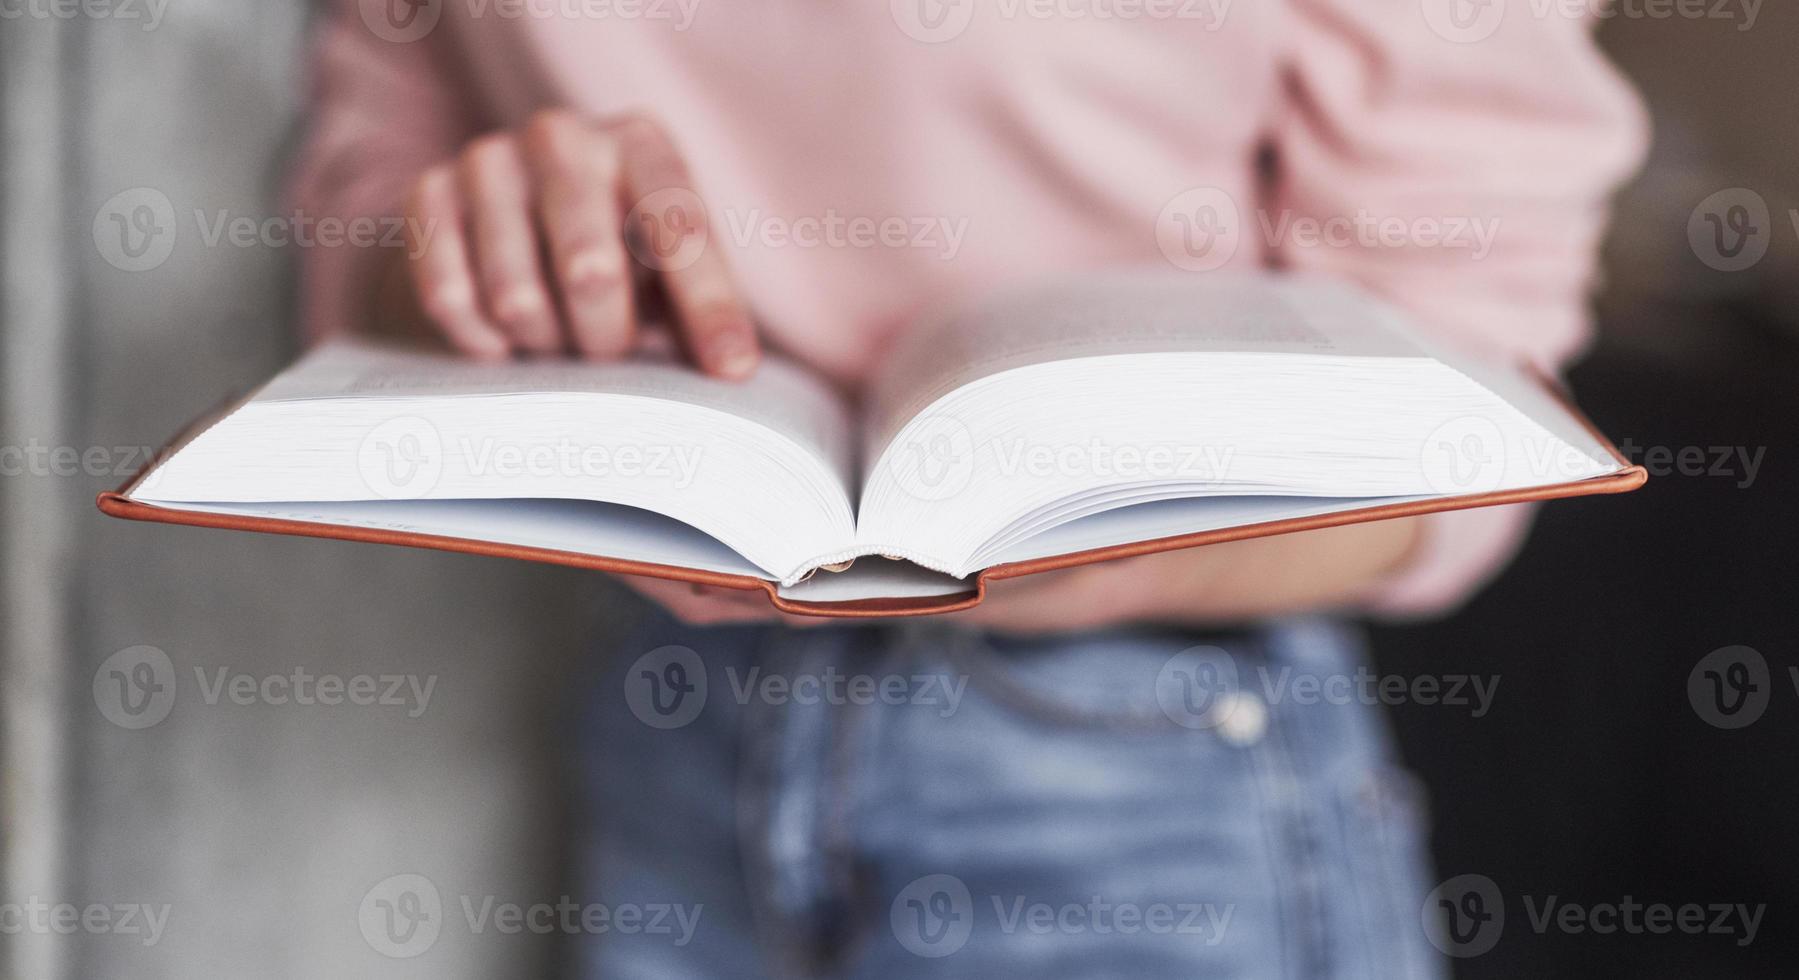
[383, 108]
[1460, 168]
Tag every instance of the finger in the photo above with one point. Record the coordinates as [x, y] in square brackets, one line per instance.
[497, 196]
[674, 229]
[1076, 598]
[438, 266]
[575, 169]
[699, 605]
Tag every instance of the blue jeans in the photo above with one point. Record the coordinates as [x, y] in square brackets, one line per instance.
[921, 801]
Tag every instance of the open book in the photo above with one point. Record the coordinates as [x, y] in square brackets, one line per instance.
[1033, 429]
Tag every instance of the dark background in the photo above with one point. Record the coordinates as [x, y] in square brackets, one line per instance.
[1596, 777]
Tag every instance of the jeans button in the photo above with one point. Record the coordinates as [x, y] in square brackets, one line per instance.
[1242, 718]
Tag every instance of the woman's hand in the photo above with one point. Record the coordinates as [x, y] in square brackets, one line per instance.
[539, 241]
[1222, 583]
[714, 605]
[544, 240]
[1236, 581]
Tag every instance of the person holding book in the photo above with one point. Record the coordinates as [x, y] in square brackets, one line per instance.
[844, 167]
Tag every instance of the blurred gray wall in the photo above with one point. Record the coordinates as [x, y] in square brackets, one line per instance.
[260, 827]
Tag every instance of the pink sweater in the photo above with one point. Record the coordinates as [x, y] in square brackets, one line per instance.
[861, 159]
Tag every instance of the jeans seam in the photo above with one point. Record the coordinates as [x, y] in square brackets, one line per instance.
[838, 822]
[1290, 825]
[781, 952]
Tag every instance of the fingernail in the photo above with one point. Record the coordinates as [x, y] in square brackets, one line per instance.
[734, 353]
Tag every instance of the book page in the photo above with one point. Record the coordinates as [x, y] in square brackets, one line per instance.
[581, 526]
[1125, 312]
[781, 395]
